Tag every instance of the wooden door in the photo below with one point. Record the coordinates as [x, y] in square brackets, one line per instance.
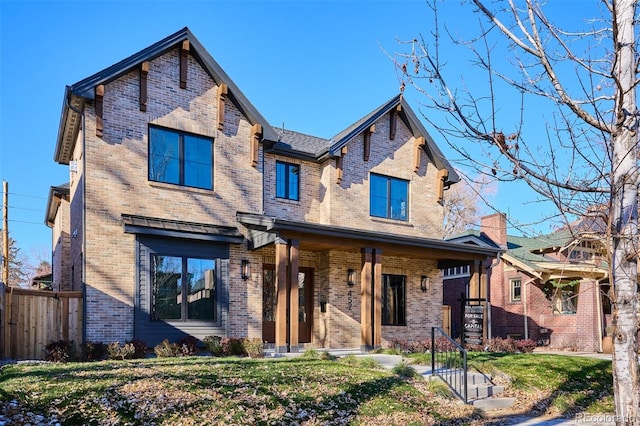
[305, 304]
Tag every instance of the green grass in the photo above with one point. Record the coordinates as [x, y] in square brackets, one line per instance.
[230, 391]
[310, 389]
[570, 383]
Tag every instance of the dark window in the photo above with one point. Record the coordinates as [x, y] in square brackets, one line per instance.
[183, 289]
[388, 197]
[287, 180]
[180, 158]
[393, 300]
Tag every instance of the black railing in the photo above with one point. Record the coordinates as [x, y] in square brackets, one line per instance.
[449, 362]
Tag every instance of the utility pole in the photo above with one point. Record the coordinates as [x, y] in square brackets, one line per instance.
[5, 233]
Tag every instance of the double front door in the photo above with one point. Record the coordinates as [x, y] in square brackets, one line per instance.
[305, 304]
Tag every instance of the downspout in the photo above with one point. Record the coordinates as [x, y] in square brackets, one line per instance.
[84, 217]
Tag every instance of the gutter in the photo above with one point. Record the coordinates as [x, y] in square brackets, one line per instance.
[83, 275]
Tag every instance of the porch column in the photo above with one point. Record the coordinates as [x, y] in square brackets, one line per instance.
[366, 285]
[377, 299]
[294, 302]
[281, 295]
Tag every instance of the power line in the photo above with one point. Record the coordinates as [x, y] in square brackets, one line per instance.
[27, 196]
[25, 208]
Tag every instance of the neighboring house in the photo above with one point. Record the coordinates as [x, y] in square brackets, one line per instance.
[57, 218]
[190, 215]
[552, 289]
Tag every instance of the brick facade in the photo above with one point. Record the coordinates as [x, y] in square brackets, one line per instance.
[111, 182]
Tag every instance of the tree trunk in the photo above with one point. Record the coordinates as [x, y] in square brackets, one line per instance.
[624, 220]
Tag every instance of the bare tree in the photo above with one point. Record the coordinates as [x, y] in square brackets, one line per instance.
[588, 155]
[464, 204]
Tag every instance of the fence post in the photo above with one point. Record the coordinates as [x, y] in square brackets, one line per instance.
[433, 350]
[3, 325]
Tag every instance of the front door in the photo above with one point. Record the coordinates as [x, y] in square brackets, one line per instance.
[305, 304]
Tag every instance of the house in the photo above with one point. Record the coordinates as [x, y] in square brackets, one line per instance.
[190, 215]
[553, 289]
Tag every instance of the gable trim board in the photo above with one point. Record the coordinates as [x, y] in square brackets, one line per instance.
[82, 92]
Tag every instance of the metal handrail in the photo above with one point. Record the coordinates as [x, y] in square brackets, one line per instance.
[452, 364]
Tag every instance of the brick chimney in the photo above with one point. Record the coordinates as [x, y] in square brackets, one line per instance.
[495, 227]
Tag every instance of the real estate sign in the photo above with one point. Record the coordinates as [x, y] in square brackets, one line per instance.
[473, 324]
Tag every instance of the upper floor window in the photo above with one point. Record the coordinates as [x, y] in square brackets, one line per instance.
[287, 180]
[389, 197]
[180, 158]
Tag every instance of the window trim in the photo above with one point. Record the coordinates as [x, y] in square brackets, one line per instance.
[287, 173]
[512, 288]
[388, 196]
[181, 156]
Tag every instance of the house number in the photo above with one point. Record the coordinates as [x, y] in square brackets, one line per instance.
[349, 300]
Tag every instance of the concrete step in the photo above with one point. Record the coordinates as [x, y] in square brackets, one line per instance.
[493, 403]
[481, 392]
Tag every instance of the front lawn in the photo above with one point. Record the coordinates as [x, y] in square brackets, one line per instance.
[229, 391]
[552, 383]
[286, 391]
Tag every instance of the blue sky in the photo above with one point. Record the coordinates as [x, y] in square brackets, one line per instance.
[314, 66]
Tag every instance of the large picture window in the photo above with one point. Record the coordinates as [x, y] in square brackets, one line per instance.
[563, 296]
[389, 197]
[287, 180]
[180, 158]
[393, 299]
[183, 289]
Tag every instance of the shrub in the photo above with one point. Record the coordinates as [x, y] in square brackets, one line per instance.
[140, 348]
[213, 344]
[60, 351]
[254, 347]
[316, 354]
[232, 346]
[404, 370]
[166, 349]
[94, 351]
[188, 346]
[117, 351]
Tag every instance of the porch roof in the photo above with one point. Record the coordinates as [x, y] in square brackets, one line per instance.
[265, 230]
[179, 229]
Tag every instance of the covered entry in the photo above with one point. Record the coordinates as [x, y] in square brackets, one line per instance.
[369, 286]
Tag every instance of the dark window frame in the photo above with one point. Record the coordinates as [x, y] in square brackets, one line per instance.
[184, 271]
[399, 310]
[389, 197]
[181, 157]
[288, 171]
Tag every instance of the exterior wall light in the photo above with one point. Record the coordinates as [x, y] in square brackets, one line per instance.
[424, 283]
[351, 277]
[245, 269]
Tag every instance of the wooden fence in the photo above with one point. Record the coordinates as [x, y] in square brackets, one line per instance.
[31, 319]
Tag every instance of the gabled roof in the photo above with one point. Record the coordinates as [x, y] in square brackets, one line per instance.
[53, 202]
[78, 94]
[319, 149]
[283, 141]
[530, 254]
